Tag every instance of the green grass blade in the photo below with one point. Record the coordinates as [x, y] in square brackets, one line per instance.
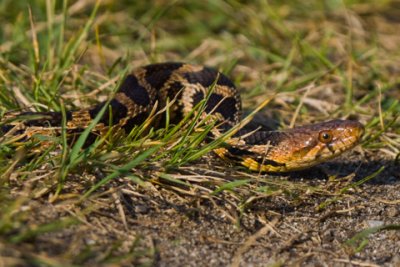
[124, 169]
[360, 240]
[230, 186]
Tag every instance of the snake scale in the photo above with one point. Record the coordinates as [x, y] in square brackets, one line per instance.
[156, 84]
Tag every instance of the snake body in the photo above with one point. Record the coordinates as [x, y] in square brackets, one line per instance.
[150, 88]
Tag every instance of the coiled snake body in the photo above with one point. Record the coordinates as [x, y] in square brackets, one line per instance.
[271, 151]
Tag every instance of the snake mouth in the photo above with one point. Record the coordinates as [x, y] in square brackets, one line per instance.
[348, 136]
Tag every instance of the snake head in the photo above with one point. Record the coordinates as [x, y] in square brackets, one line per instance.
[305, 146]
[316, 143]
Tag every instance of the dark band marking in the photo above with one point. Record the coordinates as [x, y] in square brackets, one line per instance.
[163, 67]
[207, 77]
[158, 74]
[218, 104]
[6, 128]
[223, 80]
[173, 90]
[118, 111]
[269, 162]
[132, 89]
[137, 120]
[225, 106]
[236, 154]
[197, 97]
[45, 118]
[240, 152]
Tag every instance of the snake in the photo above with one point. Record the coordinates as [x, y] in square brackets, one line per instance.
[180, 87]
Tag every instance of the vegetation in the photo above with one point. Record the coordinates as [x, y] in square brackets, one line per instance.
[89, 205]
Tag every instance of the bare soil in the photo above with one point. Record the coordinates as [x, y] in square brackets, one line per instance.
[161, 226]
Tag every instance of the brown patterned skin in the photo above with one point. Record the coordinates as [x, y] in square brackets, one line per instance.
[295, 149]
[150, 86]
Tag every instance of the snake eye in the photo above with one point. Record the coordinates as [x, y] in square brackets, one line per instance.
[325, 136]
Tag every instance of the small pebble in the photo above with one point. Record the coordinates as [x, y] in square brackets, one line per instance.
[392, 212]
[141, 209]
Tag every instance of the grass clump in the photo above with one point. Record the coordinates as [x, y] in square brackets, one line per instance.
[320, 60]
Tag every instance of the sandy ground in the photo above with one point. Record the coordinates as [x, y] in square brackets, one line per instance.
[163, 227]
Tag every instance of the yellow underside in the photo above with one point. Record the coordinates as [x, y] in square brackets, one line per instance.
[250, 163]
[221, 152]
[255, 166]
